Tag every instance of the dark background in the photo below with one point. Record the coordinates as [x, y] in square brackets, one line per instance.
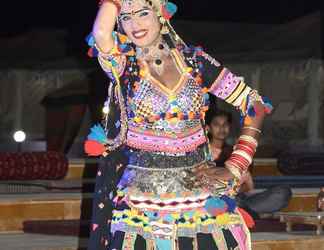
[78, 15]
[18, 18]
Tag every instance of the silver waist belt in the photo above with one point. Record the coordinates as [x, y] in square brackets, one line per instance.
[166, 169]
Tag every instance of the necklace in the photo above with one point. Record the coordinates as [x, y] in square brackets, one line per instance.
[154, 53]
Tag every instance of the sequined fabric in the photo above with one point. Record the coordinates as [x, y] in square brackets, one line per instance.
[159, 160]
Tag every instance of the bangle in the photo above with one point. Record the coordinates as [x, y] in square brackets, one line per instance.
[252, 128]
[241, 157]
[115, 2]
[249, 150]
[249, 139]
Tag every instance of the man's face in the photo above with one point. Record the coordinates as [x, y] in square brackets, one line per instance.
[219, 128]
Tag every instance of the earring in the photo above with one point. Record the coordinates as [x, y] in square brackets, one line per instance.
[164, 30]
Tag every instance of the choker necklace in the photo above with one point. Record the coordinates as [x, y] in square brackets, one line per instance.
[154, 53]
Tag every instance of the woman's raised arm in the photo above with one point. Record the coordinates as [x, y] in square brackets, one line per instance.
[104, 25]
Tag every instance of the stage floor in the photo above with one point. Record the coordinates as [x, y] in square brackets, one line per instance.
[261, 241]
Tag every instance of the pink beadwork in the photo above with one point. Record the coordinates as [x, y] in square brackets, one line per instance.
[165, 144]
[225, 84]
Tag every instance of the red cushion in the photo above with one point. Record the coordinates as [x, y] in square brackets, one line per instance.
[33, 166]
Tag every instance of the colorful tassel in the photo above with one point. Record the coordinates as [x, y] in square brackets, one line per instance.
[90, 52]
[231, 204]
[168, 10]
[251, 112]
[172, 8]
[94, 148]
[258, 109]
[123, 47]
[90, 40]
[96, 140]
[215, 206]
[267, 105]
[98, 134]
[93, 52]
[241, 120]
[247, 218]
[223, 219]
[247, 121]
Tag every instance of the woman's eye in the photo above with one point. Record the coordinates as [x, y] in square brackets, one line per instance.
[144, 13]
[125, 18]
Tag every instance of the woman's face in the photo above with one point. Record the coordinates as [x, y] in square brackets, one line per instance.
[140, 22]
[219, 128]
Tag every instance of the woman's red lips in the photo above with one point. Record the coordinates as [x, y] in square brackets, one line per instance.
[139, 33]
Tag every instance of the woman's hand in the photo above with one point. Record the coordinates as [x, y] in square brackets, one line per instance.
[213, 174]
[246, 183]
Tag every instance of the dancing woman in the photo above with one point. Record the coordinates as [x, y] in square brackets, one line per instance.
[168, 197]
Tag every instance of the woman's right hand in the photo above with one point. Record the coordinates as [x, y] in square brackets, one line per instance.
[212, 173]
[104, 26]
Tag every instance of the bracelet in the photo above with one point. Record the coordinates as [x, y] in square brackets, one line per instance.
[252, 128]
[115, 2]
[245, 148]
[248, 139]
[240, 162]
[243, 154]
[241, 157]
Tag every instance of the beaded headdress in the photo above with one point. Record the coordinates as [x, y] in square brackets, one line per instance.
[163, 8]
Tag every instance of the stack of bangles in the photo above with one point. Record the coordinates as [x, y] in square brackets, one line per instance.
[117, 3]
[242, 156]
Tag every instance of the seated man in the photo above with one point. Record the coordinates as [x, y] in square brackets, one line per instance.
[218, 125]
